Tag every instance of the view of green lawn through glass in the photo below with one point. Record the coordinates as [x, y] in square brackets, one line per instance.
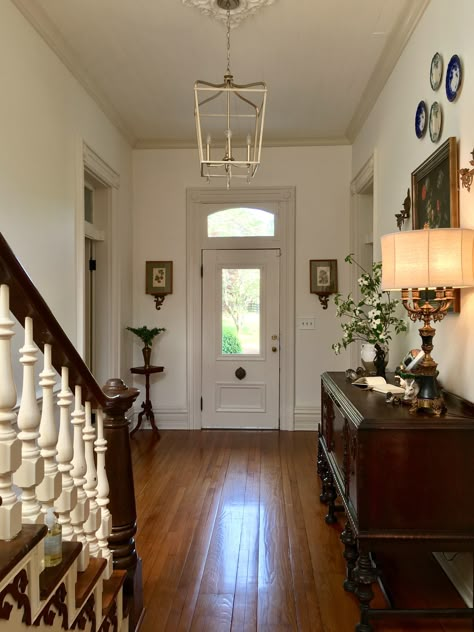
[241, 310]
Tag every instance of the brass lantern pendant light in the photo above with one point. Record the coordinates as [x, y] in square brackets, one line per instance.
[229, 121]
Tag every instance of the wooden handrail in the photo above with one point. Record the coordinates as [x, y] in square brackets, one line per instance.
[25, 300]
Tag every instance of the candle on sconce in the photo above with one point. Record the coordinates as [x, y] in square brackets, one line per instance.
[249, 140]
[208, 147]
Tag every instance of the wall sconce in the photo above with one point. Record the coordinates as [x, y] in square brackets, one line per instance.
[323, 279]
[405, 212]
[467, 174]
[439, 259]
[159, 280]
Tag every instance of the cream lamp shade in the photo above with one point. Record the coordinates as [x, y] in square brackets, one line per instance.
[429, 258]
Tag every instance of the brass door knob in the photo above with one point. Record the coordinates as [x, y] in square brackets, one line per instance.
[274, 349]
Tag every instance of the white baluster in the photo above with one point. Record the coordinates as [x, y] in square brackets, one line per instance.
[68, 498]
[80, 512]
[93, 521]
[50, 487]
[31, 471]
[105, 528]
[10, 446]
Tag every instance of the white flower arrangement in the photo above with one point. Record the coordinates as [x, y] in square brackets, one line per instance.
[369, 325]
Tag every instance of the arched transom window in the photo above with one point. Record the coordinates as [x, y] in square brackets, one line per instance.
[241, 222]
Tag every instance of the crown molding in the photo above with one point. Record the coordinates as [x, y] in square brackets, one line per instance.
[408, 21]
[244, 10]
[158, 143]
[53, 38]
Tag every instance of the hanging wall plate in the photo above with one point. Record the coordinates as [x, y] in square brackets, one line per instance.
[421, 117]
[453, 78]
[436, 122]
[436, 71]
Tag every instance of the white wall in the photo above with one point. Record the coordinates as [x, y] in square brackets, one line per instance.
[45, 115]
[446, 28]
[160, 180]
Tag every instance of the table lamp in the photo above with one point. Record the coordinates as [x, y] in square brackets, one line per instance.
[431, 259]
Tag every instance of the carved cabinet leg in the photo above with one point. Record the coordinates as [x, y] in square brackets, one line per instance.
[331, 495]
[323, 470]
[351, 553]
[365, 575]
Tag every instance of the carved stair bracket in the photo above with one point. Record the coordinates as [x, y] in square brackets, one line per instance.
[16, 589]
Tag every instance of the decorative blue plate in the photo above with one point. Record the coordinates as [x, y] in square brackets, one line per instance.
[421, 117]
[436, 71]
[436, 122]
[453, 78]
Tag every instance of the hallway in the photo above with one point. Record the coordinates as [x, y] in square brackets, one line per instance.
[232, 537]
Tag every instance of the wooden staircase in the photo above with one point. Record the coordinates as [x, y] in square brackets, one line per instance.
[68, 449]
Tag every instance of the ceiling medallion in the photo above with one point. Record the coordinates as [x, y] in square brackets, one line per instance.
[244, 10]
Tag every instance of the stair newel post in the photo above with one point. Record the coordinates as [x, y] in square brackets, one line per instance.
[92, 523]
[122, 493]
[31, 470]
[50, 487]
[10, 446]
[105, 528]
[80, 512]
[68, 497]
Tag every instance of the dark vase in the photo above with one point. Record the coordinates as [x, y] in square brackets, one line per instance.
[379, 361]
[146, 355]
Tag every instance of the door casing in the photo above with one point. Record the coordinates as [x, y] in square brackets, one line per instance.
[199, 204]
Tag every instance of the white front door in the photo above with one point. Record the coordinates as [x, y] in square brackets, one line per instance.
[240, 339]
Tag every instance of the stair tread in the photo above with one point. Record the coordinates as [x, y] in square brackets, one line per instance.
[51, 576]
[13, 551]
[111, 589]
[86, 580]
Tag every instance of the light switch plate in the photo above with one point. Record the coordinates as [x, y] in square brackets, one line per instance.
[305, 322]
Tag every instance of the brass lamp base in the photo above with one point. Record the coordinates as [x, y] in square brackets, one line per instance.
[428, 398]
[436, 406]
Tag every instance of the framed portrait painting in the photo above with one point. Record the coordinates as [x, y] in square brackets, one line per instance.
[434, 189]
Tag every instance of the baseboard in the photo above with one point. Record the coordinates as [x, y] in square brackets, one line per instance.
[164, 419]
[459, 571]
[307, 418]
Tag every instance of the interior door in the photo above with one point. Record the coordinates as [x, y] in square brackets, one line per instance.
[240, 338]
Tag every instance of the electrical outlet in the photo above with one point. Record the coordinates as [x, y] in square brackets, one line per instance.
[306, 322]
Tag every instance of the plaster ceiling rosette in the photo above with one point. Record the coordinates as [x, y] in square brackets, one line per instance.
[244, 10]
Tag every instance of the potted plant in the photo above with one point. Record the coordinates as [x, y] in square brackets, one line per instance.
[146, 336]
[370, 320]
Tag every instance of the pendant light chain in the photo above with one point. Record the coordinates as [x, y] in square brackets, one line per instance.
[228, 39]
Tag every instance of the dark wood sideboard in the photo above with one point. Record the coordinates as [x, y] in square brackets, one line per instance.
[406, 483]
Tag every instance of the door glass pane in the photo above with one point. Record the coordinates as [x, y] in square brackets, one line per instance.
[240, 310]
[241, 222]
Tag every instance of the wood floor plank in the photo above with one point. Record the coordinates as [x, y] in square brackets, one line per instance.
[232, 537]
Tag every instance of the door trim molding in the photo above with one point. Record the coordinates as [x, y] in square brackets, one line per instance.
[89, 160]
[199, 203]
[364, 179]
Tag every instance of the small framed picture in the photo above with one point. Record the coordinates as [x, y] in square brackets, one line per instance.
[323, 278]
[159, 277]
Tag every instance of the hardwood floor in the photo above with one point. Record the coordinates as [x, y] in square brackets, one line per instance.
[232, 537]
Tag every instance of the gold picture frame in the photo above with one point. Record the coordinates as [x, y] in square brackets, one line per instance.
[434, 189]
[435, 196]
